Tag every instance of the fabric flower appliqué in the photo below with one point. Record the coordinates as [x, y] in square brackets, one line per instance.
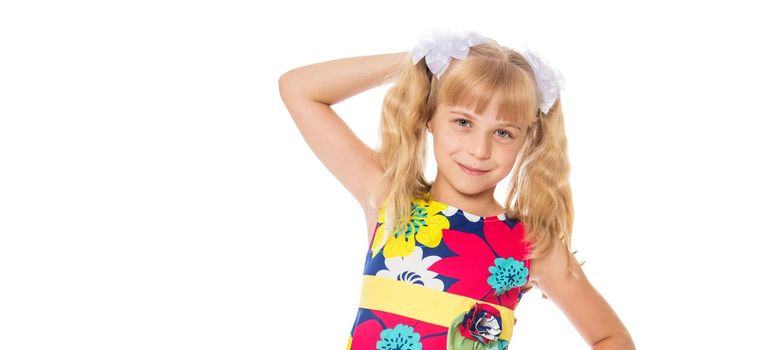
[413, 269]
[479, 328]
[425, 225]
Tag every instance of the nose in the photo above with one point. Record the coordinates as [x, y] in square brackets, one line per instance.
[479, 147]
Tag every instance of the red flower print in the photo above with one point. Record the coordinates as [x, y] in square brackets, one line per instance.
[382, 334]
[475, 258]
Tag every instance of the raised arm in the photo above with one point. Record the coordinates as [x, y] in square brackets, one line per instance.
[308, 93]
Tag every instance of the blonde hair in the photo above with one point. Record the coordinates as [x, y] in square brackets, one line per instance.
[538, 195]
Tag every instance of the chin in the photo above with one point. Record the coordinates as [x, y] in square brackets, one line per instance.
[471, 186]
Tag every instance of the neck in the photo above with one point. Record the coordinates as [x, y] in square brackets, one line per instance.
[482, 203]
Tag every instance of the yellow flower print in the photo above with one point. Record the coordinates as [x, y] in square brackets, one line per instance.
[424, 225]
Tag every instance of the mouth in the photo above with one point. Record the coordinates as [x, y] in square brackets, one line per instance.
[470, 170]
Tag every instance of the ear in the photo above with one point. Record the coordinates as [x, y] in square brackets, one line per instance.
[429, 126]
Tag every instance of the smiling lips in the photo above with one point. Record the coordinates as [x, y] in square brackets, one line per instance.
[471, 171]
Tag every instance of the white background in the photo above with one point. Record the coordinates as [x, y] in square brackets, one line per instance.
[155, 193]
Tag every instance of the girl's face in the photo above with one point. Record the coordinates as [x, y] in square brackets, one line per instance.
[477, 141]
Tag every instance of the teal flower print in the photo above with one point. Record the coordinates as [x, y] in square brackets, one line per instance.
[474, 255]
[401, 337]
[507, 274]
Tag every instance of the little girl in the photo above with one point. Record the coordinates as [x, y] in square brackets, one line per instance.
[446, 264]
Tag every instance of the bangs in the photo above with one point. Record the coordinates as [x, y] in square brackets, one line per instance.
[474, 83]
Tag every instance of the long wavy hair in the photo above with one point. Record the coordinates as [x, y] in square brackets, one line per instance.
[538, 194]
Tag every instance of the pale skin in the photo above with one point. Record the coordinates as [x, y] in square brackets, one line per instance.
[477, 140]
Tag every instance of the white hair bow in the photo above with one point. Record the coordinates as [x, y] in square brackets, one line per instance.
[441, 46]
[549, 80]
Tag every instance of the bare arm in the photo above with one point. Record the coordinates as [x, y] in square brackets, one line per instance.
[616, 342]
[308, 93]
[330, 82]
[591, 315]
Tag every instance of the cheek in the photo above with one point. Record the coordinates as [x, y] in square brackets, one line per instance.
[445, 153]
[507, 163]
[506, 156]
[446, 145]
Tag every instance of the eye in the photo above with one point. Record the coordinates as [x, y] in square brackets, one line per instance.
[506, 133]
[462, 120]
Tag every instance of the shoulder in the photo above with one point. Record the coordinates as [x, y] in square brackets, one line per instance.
[553, 265]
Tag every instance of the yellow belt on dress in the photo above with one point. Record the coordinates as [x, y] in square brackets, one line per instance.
[423, 303]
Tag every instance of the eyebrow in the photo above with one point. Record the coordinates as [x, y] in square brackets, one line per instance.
[472, 117]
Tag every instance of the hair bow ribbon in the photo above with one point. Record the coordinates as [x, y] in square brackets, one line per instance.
[441, 47]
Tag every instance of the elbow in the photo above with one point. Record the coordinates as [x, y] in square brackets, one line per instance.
[283, 84]
[630, 343]
[282, 81]
[616, 342]
[287, 83]
[625, 342]
[283, 77]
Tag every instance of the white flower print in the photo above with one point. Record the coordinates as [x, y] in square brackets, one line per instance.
[450, 211]
[413, 268]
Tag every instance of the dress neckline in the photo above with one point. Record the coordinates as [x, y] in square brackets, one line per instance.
[452, 210]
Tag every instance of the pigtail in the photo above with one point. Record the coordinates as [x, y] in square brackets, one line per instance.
[540, 189]
[402, 149]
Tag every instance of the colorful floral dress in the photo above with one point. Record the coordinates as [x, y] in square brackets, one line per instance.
[444, 258]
